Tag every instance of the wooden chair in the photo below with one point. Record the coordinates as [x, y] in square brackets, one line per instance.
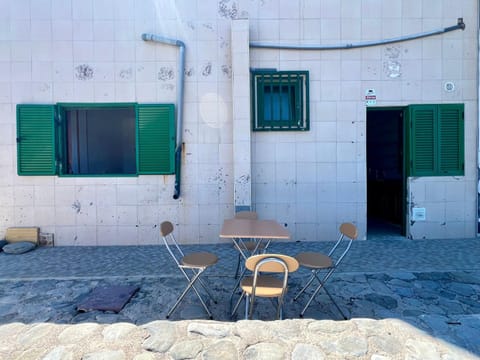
[266, 285]
[196, 262]
[318, 262]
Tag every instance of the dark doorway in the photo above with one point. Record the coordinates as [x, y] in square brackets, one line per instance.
[385, 173]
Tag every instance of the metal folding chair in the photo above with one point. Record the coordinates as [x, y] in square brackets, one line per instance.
[318, 262]
[262, 285]
[196, 262]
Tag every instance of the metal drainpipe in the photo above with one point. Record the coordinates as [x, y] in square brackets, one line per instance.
[180, 87]
[460, 25]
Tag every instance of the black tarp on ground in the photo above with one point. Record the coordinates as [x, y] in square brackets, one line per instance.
[111, 298]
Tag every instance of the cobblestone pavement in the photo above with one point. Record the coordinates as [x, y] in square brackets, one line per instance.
[405, 300]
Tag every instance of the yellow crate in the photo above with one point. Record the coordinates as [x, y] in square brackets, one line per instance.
[17, 234]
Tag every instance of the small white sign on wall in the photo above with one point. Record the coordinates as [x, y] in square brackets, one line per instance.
[370, 97]
[419, 214]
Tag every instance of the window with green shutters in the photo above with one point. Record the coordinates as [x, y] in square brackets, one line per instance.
[75, 139]
[435, 140]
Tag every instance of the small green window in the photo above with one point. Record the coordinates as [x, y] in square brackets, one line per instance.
[280, 100]
[95, 139]
[435, 136]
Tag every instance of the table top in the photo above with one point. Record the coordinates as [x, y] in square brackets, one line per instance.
[249, 228]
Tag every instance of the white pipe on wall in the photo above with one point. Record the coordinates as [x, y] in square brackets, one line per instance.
[460, 25]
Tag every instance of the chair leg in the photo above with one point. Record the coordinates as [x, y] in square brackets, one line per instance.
[237, 304]
[238, 266]
[196, 273]
[317, 290]
[181, 297]
[207, 290]
[237, 285]
[315, 293]
[247, 302]
[309, 282]
[335, 303]
[203, 302]
[280, 308]
[252, 300]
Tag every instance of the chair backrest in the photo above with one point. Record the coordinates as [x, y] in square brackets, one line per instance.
[257, 261]
[166, 230]
[252, 215]
[349, 232]
[271, 263]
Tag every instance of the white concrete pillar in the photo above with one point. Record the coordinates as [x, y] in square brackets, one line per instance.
[242, 165]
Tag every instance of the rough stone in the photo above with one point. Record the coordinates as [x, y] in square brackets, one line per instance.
[252, 331]
[105, 355]
[145, 356]
[386, 301]
[221, 350]
[378, 286]
[412, 312]
[403, 275]
[462, 289]
[403, 292]
[289, 329]
[330, 327]
[307, 352]
[35, 334]
[387, 344]
[159, 342]
[352, 345]
[78, 333]
[399, 283]
[465, 277]
[60, 353]
[118, 332]
[265, 351]
[188, 349]
[421, 350]
[210, 330]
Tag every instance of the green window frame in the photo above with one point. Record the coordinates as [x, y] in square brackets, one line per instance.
[436, 140]
[280, 100]
[42, 138]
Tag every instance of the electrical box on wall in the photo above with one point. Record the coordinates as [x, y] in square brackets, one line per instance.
[419, 214]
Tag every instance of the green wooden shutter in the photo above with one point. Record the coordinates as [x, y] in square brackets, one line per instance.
[36, 140]
[436, 140]
[451, 139]
[422, 140]
[156, 138]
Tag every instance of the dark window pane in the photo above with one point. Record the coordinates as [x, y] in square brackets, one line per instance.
[101, 141]
[277, 103]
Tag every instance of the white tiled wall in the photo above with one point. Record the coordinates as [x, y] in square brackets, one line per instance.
[91, 51]
[327, 165]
